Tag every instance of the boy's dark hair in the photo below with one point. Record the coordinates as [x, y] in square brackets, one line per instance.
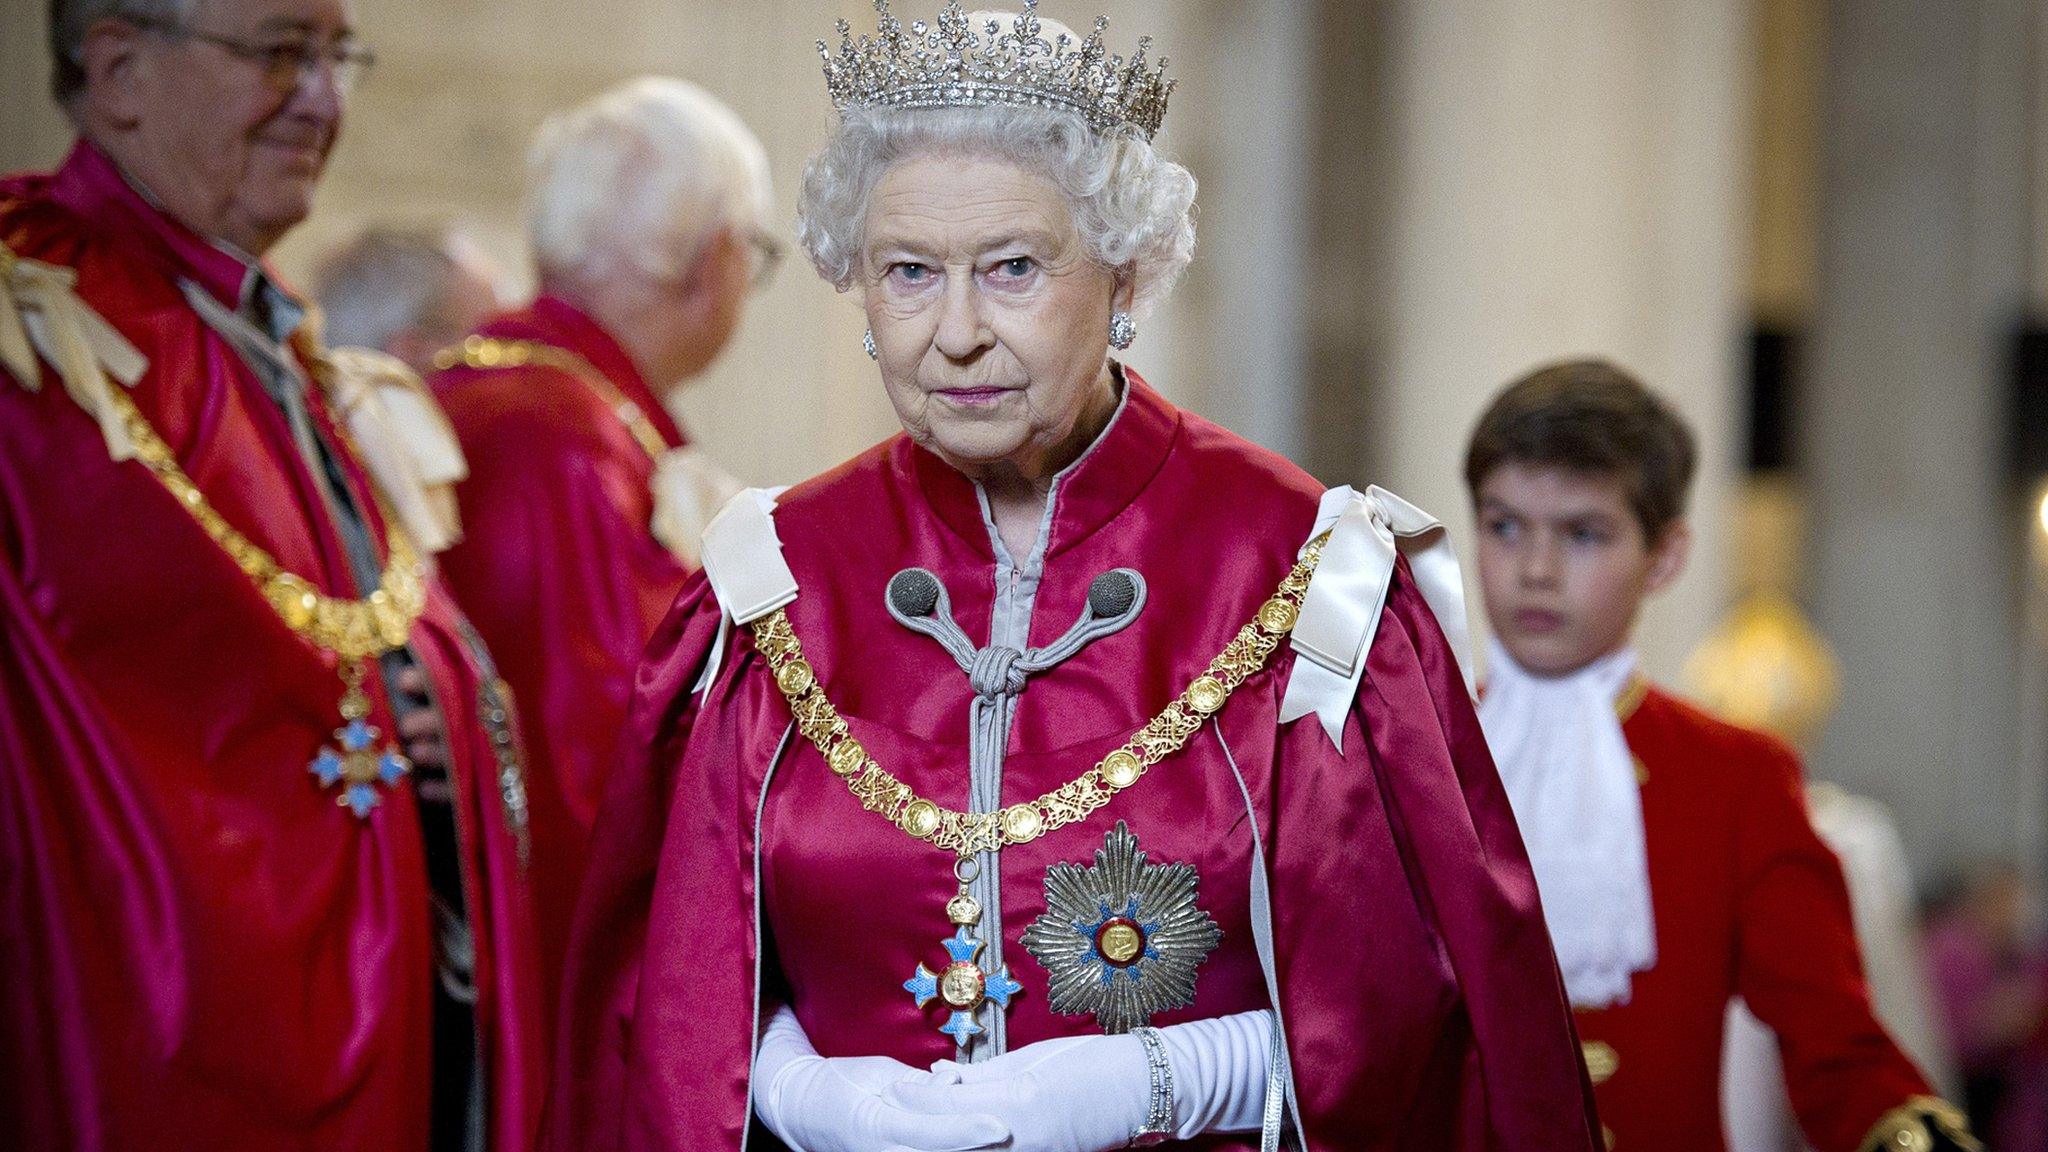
[1589, 416]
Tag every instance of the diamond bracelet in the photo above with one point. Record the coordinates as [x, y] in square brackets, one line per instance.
[1159, 1124]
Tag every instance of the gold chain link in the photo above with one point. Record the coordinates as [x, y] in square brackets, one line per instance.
[352, 629]
[485, 353]
[966, 833]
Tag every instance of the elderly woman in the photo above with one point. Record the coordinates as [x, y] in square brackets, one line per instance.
[1065, 772]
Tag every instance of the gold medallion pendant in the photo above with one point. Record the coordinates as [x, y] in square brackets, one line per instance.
[355, 632]
[1121, 938]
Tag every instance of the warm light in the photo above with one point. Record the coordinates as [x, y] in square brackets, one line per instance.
[2042, 514]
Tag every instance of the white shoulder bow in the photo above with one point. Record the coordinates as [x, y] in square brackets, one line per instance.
[1340, 614]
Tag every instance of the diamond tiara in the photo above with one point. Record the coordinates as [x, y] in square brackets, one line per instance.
[949, 64]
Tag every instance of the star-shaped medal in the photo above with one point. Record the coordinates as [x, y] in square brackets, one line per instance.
[962, 985]
[1123, 938]
[359, 766]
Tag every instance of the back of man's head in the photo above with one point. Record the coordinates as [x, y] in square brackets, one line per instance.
[638, 179]
[397, 290]
[1591, 418]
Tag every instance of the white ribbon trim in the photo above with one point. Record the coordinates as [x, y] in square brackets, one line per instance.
[743, 561]
[1340, 613]
[688, 489]
[39, 313]
[407, 444]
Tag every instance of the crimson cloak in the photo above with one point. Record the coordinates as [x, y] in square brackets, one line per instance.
[202, 950]
[559, 570]
[732, 870]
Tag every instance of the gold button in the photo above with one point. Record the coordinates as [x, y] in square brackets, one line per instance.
[1602, 1061]
[1121, 942]
[1121, 769]
[961, 985]
[795, 678]
[1277, 615]
[1021, 822]
[846, 757]
[920, 819]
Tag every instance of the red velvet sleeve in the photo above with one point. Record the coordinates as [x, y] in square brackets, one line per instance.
[1505, 1074]
[587, 1107]
[1798, 965]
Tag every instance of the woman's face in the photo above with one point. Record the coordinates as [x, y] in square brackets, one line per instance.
[991, 323]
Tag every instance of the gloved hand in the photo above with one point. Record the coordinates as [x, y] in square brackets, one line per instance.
[815, 1104]
[1092, 1093]
[1073, 1094]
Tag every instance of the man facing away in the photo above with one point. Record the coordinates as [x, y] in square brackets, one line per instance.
[584, 502]
[1677, 865]
[261, 861]
[405, 292]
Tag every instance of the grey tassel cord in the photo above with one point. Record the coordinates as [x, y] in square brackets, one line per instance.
[998, 673]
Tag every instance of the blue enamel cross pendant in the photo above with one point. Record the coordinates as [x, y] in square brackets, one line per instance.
[357, 763]
[963, 985]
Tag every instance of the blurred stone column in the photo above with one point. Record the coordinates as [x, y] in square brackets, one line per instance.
[1562, 180]
[1923, 234]
[33, 133]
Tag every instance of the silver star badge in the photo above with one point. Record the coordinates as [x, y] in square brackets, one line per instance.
[1122, 938]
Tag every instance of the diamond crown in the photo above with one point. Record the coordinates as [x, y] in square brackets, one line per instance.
[949, 64]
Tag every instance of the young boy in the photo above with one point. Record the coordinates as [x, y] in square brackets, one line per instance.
[1673, 851]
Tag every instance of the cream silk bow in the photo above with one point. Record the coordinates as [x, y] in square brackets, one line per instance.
[407, 444]
[1340, 615]
[39, 313]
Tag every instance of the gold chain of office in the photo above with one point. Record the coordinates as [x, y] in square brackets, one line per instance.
[967, 833]
[353, 630]
[487, 352]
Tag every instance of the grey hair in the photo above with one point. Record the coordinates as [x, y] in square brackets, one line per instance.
[640, 177]
[385, 281]
[1133, 207]
[70, 20]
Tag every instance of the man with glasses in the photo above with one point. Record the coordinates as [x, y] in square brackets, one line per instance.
[585, 501]
[262, 812]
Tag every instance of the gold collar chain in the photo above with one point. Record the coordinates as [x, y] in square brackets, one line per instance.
[355, 631]
[966, 833]
[486, 352]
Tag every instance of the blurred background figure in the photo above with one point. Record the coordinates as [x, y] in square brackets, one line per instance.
[1991, 967]
[406, 292]
[582, 512]
[1766, 666]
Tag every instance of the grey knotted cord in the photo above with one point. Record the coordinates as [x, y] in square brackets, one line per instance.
[998, 673]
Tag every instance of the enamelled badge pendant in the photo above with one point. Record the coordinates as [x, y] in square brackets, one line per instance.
[962, 985]
[355, 762]
[1122, 938]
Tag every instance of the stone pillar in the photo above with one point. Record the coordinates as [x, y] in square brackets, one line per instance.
[1564, 183]
[1923, 234]
[33, 134]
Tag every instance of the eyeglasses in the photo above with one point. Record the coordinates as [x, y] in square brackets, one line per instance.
[285, 65]
[767, 256]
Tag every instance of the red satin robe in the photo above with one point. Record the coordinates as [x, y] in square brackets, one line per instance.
[201, 950]
[1748, 902]
[1422, 1004]
[560, 572]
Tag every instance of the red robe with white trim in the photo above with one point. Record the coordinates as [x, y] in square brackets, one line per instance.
[200, 949]
[1748, 902]
[560, 572]
[1412, 970]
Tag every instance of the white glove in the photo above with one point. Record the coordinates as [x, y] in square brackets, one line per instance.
[815, 1104]
[1093, 1093]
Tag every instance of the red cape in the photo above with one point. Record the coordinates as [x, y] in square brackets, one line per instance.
[1748, 902]
[202, 950]
[560, 572]
[1415, 979]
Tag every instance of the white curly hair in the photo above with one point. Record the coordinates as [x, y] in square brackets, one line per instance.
[1133, 207]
